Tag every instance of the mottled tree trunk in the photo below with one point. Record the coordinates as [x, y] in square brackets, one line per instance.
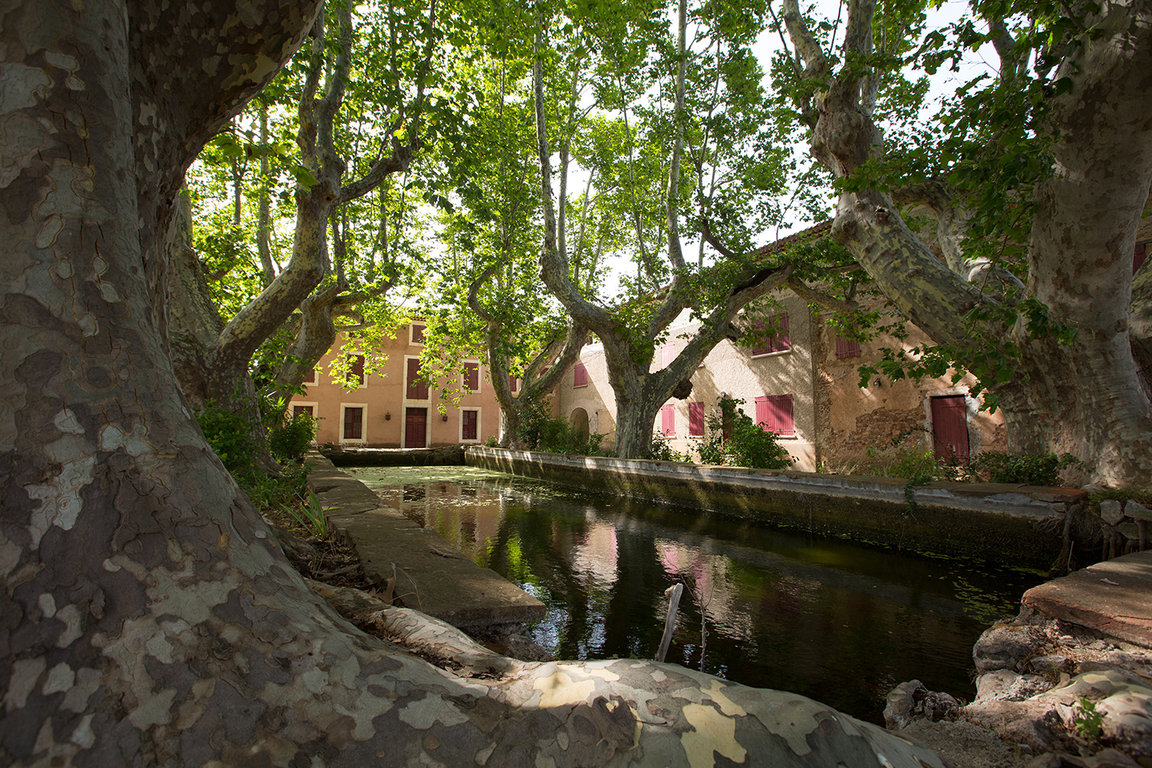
[146, 615]
[1086, 398]
[194, 328]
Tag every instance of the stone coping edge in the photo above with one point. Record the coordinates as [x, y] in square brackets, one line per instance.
[1012, 524]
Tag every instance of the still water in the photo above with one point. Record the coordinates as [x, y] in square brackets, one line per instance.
[835, 621]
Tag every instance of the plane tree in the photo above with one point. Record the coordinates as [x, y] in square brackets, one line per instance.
[696, 159]
[348, 115]
[486, 299]
[1034, 177]
[147, 615]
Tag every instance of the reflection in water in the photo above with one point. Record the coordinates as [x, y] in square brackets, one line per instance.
[777, 609]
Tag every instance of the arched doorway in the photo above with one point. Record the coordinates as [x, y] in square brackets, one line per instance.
[578, 421]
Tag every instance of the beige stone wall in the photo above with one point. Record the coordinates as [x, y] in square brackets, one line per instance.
[383, 398]
[853, 419]
[595, 398]
[729, 368]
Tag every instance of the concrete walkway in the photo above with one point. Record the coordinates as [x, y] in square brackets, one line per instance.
[1113, 597]
[432, 576]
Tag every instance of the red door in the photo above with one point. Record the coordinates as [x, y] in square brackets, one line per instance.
[415, 427]
[950, 428]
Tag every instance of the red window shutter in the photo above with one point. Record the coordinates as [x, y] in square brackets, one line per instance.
[468, 424]
[846, 348]
[417, 333]
[782, 342]
[300, 410]
[512, 383]
[472, 377]
[696, 419]
[356, 370]
[765, 346]
[579, 375]
[313, 377]
[668, 420]
[416, 388]
[353, 423]
[774, 414]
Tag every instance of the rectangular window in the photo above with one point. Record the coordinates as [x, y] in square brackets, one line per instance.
[846, 348]
[579, 375]
[781, 342]
[313, 378]
[774, 414]
[695, 419]
[668, 420]
[469, 425]
[417, 330]
[301, 410]
[415, 387]
[472, 377]
[513, 383]
[353, 423]
[356, 370]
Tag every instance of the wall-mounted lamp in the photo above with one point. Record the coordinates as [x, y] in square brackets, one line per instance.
[388, 416]
[443, 417]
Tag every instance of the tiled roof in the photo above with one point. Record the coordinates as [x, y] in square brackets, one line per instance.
[815, 232]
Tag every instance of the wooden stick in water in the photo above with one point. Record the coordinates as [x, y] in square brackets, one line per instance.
[673, 594]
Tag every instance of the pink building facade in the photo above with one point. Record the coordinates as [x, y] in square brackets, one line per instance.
[393, 407]
[802, 383]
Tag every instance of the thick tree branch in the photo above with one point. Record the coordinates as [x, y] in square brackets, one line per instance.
[553, 265]
[814, 296]
[675, 253]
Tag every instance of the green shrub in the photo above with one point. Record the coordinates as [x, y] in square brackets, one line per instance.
[1024, 468]
[660, 450]
[540, 432]
[919, 465]
[230, 436]
[904, 457]
[291, 437]
[744, 445]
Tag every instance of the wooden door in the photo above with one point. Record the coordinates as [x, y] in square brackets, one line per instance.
[415, 427]
[950, 428]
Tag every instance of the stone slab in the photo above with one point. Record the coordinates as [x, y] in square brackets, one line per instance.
[1113, 597]
[432, 575]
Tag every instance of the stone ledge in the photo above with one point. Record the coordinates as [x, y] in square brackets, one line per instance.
[1005, 523]
[432, 576]
[1113, 597]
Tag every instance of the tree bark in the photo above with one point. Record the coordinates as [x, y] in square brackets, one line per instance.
[1085, 398]
[536, 383]
[147, 616]
[223, 375]
[638, 392]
